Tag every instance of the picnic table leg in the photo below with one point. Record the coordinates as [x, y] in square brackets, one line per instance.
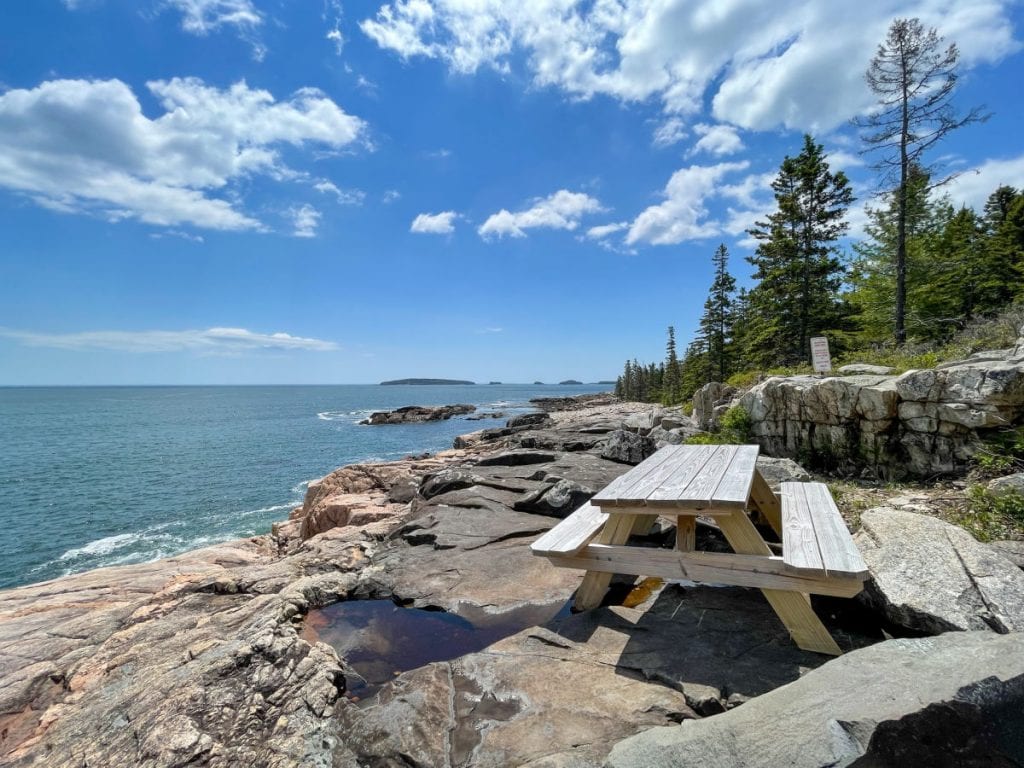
[617, 530]
[686, 533]
[793, 608]
[766, 502]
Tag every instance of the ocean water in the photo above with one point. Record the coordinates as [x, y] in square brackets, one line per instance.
[98, 476]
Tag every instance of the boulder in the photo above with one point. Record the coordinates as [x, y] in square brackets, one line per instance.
[643, 422]
[949, 700]
[1011, 550]
[776, 471]
[930, 576]
[627, 447]
[1009, 484]
[411, 414]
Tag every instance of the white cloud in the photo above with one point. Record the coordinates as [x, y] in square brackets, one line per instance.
[305, 220]
[434, 223]
[603, 230]
[840, 160]
[972, 187]
[344, 196]
[204, 16]
[211, 340]
[200, 17]
[683, 215]
[561, 210]
[86, 146]
[670, 132]
[390, 196]
[490, 330]
[791, 62]
[716, 140]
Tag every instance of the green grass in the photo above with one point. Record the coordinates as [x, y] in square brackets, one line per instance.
[990, 516]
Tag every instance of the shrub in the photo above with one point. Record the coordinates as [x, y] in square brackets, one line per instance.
[733, 429]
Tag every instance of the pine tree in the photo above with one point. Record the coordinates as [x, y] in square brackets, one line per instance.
[798, 273]
[716, 324]
[914, 80]
[1003, 249]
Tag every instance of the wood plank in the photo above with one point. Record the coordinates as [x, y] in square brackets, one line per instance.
[791, 607]
[707, 567]
[573, 533]
[838, 552]
[669, 512]
[595, 584]
[767, 503]
[610, 494]
[686, 465]
[686, 533]
[734, 488]
[700, 492]
[799, 542]
[806, 629]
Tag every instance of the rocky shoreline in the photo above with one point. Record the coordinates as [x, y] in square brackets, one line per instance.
[205, 658]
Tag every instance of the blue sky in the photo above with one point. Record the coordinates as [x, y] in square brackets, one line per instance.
[308, 191]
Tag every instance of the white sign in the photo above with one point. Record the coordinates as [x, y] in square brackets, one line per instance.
[820, 357]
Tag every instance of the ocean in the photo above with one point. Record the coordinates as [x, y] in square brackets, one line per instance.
[98, 476]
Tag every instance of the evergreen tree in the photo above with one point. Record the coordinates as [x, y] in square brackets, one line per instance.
[695, 371]
[1003, 250]
[716, 324]
[798, 274]
[671, 393]
[873, 272]
[913, 78]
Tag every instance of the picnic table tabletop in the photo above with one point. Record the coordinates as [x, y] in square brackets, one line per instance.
[706, 478]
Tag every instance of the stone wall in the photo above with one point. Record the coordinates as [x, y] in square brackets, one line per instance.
[920, 423]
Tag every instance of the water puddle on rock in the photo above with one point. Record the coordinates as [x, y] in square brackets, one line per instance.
[379, 639]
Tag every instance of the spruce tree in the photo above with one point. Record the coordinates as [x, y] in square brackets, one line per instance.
[716, 324]
[671, 393]
[797, 269]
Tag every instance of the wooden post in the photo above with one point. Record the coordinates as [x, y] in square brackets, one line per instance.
[767, 502]
[686, 533]
[616, 530]
[792, 608]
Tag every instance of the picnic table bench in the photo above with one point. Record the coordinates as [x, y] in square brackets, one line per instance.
[719, 482]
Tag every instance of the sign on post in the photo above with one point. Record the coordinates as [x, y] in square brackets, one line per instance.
[820, 357]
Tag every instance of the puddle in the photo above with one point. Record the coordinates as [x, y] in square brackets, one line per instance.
[379, 639]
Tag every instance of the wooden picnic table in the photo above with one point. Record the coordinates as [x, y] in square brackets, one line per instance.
[720, 482]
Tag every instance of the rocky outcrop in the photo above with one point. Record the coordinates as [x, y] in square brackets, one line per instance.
[921, 423]
[627, 447]
[412, 414]
[564, 693]
[930, 576]
[949, 700]
[710, 402]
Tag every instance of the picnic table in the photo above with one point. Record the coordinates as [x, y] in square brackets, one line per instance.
[720, 482]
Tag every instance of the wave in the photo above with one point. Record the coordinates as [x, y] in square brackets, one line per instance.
[275, 508]
[361, 413]
[102, 546]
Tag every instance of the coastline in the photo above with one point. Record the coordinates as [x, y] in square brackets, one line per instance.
[212, 658]
[76, 649]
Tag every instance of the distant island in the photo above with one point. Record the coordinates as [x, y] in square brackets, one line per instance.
[570, 381]
[494, 382]
[606, 382]
[424, 381]
[541, 383]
